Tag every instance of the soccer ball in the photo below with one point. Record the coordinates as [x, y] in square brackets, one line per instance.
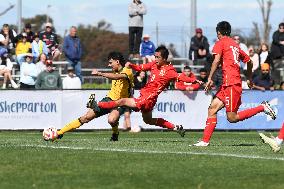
[49, 134]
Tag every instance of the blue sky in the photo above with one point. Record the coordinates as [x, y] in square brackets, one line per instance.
[172, 16]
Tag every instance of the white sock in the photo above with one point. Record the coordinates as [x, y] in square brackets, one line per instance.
[279, 141]
[4, 86]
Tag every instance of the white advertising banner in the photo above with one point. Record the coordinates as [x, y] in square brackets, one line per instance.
[41, 109]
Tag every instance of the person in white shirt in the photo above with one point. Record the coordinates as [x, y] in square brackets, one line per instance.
[71, 81]
[5, 69]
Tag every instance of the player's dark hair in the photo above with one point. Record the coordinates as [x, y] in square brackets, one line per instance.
[186, 68]
[224, 28]
[117, 56]
[202, 70]
[281, 25]
[164, 52]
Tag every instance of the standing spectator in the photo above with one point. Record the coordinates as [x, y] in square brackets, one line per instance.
[23, 47]
[73, 51]
[203, 76]
[8, 39]
[48, 79]
[51, 41]
[277, 46]
[38, 47]
[28, 73]
[28, 31]
[71, 81]
[140, 80]
[136, 10]
[185, 86]
[147, 49]
[5, 69]
[40, 65]
[199, 48]
[263, 81]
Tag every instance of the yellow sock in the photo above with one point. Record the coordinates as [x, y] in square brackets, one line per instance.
[70, 126]
[115, 129]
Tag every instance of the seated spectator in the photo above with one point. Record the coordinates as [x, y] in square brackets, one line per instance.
[49, 78]
[71, 81]
[263, 81]
[8, 38]
[140, 80]
[199, 48]
[23, 47]
[51, 41]
[28, 73]
[5, 69]
[28, 31]
[203, 76]
[265, 55]
[147, 49]
[40, 65]
[281, 87]
[187, 86]
[277, 46]
[38, 47]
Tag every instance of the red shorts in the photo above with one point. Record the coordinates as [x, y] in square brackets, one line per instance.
[231, 97]
[146, 102]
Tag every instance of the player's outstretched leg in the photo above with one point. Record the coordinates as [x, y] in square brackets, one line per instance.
[263, 107]
[69, 127]
[166, 124]
[271, 142]
[274, 143]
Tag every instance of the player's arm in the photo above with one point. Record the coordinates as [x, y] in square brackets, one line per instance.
[246, 59]
[141, 67]
[109, 75]
[215, 64]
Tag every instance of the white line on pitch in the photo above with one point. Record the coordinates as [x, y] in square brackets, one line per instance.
[155, 152]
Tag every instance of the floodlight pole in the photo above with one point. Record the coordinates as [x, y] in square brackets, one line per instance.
[19, 16]
[193, 17]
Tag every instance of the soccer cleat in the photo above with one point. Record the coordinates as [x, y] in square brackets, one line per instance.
[268, 110]
[271, 142]
[180, 130]
[114, 137]
[201, 143]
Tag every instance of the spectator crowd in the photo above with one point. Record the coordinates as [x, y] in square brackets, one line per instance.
[34, 53]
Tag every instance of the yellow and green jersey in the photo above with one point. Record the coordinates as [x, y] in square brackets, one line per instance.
[122, 88]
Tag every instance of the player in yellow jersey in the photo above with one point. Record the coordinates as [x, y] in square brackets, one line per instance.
[122, 83]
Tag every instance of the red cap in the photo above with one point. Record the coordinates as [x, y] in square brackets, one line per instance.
[198, 30]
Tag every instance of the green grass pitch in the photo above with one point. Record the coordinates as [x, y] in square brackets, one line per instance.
[158, 160]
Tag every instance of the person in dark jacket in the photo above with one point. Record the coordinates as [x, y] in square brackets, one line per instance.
[277, 46]
[199, 48]
[73, 51]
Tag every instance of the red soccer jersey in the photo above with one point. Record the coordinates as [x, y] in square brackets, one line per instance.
[181, 85]
[160, 77]
[231, 54]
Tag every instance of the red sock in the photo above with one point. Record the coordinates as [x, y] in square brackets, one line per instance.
[250, 112]
[107, 105]
[209, 129]
[164, 123]
[281, 132]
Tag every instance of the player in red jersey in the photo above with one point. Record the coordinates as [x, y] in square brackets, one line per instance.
[274, 142]
[162, 72]
[228, 53]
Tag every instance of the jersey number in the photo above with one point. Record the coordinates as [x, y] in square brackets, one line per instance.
[153, 77]
[235, 52]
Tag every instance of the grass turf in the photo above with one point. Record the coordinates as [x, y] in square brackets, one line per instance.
[140, 160]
